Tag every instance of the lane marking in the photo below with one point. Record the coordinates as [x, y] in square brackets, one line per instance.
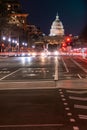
[27, 85]
[67, 70]
[30, 75]
[77, 92]
[65, 103]
[56, 70]
[61, 92]
[10, 74]
[78, 98]
[69, 114]
[83, 117]
[80, 106]
[63, 99]
[81, 67]
[62, 96]
[30, 125]
[67, 108]
[72, 120]
[79, 76]
[75, 128]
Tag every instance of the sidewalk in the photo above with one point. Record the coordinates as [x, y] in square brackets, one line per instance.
[73, 84]
[69, 84]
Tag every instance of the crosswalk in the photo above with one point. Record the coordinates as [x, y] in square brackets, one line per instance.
[75, 103]
[78, 100]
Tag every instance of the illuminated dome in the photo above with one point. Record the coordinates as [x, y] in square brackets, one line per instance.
[57, 27]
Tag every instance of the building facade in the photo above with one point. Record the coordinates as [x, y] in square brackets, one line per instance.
[57, 28]
[13, 23]
[13, 10]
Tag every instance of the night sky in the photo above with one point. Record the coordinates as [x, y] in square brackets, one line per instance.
[42, 13]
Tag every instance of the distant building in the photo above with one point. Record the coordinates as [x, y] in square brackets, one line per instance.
[13, 21]
[32, 29]
[57, 28]
[10, 6]
[14, 24]
[13, 10]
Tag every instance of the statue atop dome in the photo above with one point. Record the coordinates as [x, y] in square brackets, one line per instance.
[57, 27]
[57, 17]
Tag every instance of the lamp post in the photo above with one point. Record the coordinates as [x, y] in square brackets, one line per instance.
[18, 46]
[3, 43]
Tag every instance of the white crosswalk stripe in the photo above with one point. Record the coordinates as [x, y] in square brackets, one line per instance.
[77, 92]
[83, 117]
[80, 106]
[78, 98]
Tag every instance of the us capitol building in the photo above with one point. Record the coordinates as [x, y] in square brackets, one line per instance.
[57, 28]
[56, 35]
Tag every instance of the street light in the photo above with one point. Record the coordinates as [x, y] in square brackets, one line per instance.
[9, 39]
[4, 38]
[18, 46]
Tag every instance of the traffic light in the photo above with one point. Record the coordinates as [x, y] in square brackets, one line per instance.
[64, 44]
[68, 40]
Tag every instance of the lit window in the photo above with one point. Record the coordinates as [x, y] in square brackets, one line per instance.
[8, 8]
[23, 21]
[9, 5]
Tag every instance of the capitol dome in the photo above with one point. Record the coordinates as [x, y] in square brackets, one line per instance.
[57, 27]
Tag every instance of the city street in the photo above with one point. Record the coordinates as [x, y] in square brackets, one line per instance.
[43, 68]
[42, 93]
[43, 65]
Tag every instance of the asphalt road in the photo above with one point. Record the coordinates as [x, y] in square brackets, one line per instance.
[43, 68]
[43, 109]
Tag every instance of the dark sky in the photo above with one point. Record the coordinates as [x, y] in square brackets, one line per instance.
[42, 13]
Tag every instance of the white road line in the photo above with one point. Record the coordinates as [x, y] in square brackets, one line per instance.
[63, 99]
[67, 108]
[65, 103]
[79, 76]
[27, 85]
[80, 106]
[30, 74]
[61, 92]
[10, 74]
[77, 92]
[67, 70]
[78, 98]
[56, 70]
[83, 117]
[62, 95]
[69, 114]
[72, 120]
[85, 70]
[31, 125]
[75, 128]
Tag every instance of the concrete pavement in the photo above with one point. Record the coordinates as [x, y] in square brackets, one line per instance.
[76, 84]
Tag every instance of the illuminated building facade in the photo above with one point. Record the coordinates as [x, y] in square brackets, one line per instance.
[13, 10]
[13, 24]
[57, 28]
